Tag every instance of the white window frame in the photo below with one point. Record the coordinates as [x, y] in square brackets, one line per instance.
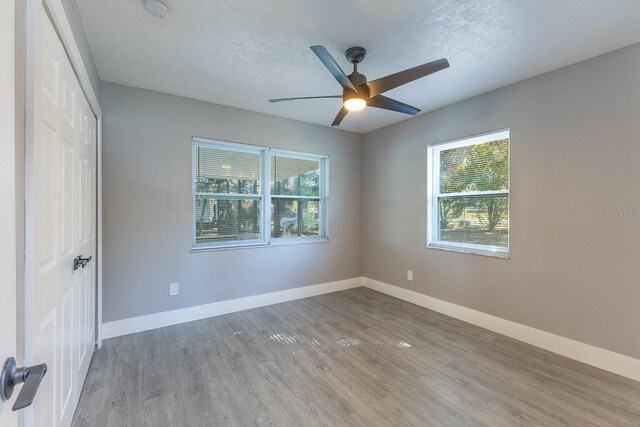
[323, 162]
[266, 153]
[433, 194]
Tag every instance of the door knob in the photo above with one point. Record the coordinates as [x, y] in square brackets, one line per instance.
[81, 262]
[11, 376]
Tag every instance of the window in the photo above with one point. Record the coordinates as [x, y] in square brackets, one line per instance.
[468, 195]
[295, 196]
[238, 190]
[228, 195]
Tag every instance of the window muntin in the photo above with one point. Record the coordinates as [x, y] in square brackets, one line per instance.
[238, 189]
[469, 194]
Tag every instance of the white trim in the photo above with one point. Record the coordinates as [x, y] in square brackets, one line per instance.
[284, 241]
[99, 265]
[228, 196]
[585, 353]
[218, 144]
[167, 318]
[228, 244]
[274, 243]
[11, 324]
[472, 139]
[324, 192]
[265, 185]
[294, 197]
[489, 251]
[474, 194]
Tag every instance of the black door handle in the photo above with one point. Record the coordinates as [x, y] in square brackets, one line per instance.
[81, 262]
[11, 376]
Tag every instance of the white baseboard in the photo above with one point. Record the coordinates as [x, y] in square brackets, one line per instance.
[585, 353]
[167, 318]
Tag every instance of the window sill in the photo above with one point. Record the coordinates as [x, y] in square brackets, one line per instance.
[472, 251]
[299, 241]
[277, 242]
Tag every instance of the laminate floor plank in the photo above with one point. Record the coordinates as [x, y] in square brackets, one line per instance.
[350, 358]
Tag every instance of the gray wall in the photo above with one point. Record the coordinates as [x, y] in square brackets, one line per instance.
[147, 205]
[575, 151]
[77, 27]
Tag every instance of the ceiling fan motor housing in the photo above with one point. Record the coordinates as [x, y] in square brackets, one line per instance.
[363, 89]
[357, 79]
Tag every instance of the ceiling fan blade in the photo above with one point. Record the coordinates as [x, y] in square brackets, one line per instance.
[343, 112]
[333, 67]
[305, 97]
[398, 79]
[383, 102]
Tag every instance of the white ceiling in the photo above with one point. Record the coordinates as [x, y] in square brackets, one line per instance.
[242, 52]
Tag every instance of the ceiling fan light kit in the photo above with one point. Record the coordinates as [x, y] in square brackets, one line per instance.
[355, 101]
[355, 104]
[357, 93]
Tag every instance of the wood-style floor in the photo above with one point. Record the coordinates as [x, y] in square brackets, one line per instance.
[351, 358]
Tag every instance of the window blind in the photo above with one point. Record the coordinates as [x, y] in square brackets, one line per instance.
[227, 171]
[479, 167]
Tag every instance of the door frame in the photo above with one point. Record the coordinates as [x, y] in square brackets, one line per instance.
[61, 24]
[8, 194]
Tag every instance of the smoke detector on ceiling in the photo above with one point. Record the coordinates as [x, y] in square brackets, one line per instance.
[156, 8]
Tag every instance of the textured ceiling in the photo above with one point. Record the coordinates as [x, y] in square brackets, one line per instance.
[242, 52]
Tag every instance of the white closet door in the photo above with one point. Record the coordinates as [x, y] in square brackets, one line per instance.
[64, 227]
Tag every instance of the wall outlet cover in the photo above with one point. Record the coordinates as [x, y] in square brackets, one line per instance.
[174, 288]
[409, 274]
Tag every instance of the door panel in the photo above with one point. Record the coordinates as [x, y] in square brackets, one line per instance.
[67, 198]
[45, 407]
[64, 187]
[82, 319]
[65, 367]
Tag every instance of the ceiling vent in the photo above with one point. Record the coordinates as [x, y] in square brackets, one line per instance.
[156, 8]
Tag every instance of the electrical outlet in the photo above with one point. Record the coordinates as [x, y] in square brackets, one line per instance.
[174, 288]
[409, 274]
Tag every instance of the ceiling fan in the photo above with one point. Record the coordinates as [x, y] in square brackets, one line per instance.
[357, 93]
